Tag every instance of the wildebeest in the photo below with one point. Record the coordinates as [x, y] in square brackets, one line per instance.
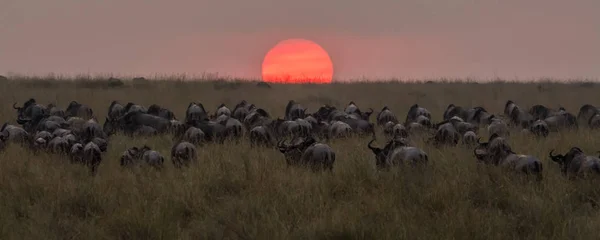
[76, 153]
[76, 109]
[14, 133]
[261, 136]
[92, 156]
[453, 110]
[498, 126]
[498, 152]
[585, 113]
[53, 110]
[132, 120]
[151, 157]
[353, 111]
[561, 120]
[195, 112]
[159, 111]
[193, 135]
[539, 128]
[414, 112]
[59, 145]
[469, 138]
[397, 152]
[575, 163]
[115, 110]
[446, 134]
[539, 111]
[307, 152]
[183, 153]
[386, 116]
[29, 110]
[294, 110]
[222, 110]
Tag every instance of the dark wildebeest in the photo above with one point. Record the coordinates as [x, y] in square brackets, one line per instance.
[183, 153]
[453, 110]
[161, 112]
[92, 156]
[414, 112]
[542, 112]
[241, 110]
[576, 164]
[586, 112]
[294, 110]
[115, 110]
[354, 112]
[222, 110]
[446, 134]
[14, 133]
[308, 153]
[151, 157]
[133, 120]
[195, 112]
[193, 135]
[498, 152]
[561, 120]
[386, 115]
[520, 118]
[261, 136]
[53, 110]
[397, 152]
[30, 110]
[539, 128]
[76, 109]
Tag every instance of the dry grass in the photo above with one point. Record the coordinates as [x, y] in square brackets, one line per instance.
[236, 192]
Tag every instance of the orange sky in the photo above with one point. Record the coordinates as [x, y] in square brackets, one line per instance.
[371, 39]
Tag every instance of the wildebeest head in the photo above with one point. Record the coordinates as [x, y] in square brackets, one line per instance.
[293, 151]
[493, 151]
[26, 104]
[565, 160]
[382, 154]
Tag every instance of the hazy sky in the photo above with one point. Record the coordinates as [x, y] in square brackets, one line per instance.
[379, 38]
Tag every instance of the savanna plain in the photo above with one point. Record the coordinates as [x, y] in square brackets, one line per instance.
[239, 192]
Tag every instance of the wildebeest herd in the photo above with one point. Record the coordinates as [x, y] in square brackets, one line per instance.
[300, 135]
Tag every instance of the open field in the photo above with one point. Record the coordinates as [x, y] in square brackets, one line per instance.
[241, 193]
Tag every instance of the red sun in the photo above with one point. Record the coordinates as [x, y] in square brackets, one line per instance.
[297, 61]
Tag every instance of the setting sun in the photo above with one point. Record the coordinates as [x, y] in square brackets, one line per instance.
[297, 61]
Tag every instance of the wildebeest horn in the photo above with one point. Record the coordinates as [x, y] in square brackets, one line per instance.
[282, 146]
[478, 140]
[550, 154]
[15, 106]
[374, 149]
[371, 110]
[22, 121]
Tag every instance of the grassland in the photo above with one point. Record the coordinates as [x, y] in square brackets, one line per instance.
[236, 192]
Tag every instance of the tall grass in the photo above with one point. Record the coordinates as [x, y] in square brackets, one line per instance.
[236, 192]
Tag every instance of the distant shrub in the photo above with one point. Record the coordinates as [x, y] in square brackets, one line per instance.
[263, 85]
[104, 84]
[115, 82]
[226, 85]
[3, 78]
